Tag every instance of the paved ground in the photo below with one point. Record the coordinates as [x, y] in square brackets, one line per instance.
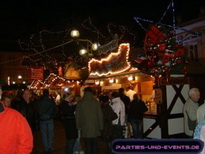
[59, 141]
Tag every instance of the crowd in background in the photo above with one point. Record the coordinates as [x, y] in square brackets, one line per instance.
[104, 115]
[108, 115]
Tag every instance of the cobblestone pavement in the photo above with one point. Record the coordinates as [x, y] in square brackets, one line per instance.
[59, 141]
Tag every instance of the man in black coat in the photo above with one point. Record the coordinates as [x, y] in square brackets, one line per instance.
[47, 110]
[135, 116]
[27, 107]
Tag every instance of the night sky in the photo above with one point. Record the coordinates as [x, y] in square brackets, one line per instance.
[21, 18]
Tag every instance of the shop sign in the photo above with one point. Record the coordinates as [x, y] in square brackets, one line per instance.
[36, 73]
[113, 64]
[107, 48]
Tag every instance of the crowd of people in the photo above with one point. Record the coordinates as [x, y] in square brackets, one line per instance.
[88, 118]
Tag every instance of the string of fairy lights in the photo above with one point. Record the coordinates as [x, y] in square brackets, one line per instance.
[163, 49]
[173, 26]
[51, 79]
[43, 51]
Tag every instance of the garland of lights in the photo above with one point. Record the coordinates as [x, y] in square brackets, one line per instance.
[50, 80]
[44, 56]
[124, 47]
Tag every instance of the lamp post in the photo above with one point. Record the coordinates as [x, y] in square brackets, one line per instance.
[85, 51]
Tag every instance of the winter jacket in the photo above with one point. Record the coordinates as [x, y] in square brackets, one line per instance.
[190, 108]
[46, 109]
[126, 100]
[67, 112]
[15, 133]
[119, 108]
[89, 116]
[28, 110]
[108, 116]
[136, 110]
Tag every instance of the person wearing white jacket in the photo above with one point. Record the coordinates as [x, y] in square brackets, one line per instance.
[119, 108]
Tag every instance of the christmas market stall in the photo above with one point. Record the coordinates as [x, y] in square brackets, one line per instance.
[158, 76]
[60, 83]
[165, 59]
[115, 71]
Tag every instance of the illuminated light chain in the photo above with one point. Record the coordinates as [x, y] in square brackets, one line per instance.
[109, 30]
[87, 24]
[165, 12]
[108, 58]
[35, 84]
[131, 34]
[93, 28]
[23, 58]
[30, 46]
[52, 48]
[195, 34]
[36, 41]
[53, 77]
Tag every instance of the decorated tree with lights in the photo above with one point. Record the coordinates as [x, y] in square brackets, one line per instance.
[164, 53]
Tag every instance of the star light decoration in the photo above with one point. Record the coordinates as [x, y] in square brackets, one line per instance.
[164, 53]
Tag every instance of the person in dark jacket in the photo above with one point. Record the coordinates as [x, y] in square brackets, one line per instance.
[108, 116]
[67, 110]
[46, 110]
[126, 100]
[135, 116]
[27, 107]
[89, 120]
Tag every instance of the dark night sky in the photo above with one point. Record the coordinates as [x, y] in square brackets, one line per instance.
[21, 18]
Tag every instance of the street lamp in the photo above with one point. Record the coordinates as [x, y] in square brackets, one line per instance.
[74, 33]
[94, 46]
[83, 51]
[19, 77]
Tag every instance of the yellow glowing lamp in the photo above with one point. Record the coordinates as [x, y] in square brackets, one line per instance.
[74, 33]
[130, 78]
[94, 46]
[83, 51]
[97, 82]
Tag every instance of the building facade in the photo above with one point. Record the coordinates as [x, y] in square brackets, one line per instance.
[192, 35]
[11, 70]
